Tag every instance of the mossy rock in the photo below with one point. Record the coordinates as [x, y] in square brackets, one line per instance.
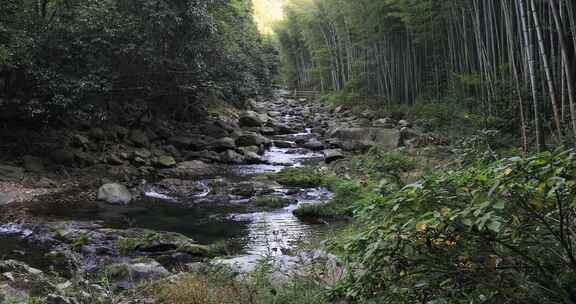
[322, 212]
[195, 249]
[273, 202]
[300, 177]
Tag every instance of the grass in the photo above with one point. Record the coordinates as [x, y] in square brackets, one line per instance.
[221, 285]
[305, 177]
[272, 202]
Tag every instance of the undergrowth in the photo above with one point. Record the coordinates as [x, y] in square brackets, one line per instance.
[493, 232]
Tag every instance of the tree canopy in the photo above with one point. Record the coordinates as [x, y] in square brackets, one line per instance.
[83, 55]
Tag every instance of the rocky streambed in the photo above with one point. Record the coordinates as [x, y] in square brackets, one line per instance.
[182, 207]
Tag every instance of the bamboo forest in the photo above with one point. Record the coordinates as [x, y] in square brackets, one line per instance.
[287, 151]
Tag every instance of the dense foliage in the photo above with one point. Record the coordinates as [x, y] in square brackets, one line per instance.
[500, 232]
[510, 59]
[97, 56]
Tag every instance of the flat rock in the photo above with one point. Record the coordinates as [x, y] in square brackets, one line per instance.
[251, 139]
[166, 161]
[190, 169]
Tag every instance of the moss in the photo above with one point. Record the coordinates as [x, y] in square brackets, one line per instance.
[81, 241]
[300, 177]
[323, 212]
[195, 249]
[272, 202]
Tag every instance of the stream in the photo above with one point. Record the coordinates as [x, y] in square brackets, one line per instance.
[210, 213]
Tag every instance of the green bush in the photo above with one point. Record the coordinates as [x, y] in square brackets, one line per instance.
[490, 233]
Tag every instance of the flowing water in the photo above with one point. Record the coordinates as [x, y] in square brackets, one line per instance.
[209, 217]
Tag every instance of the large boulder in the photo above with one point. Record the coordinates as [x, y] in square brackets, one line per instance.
[314, 144]
[128, 275]
[114, 194]
[251, 119]
[216, 130]
[11, 173]
[251, 139]
[231, 157]
[332, 155]
[353, 139]
[223, 144]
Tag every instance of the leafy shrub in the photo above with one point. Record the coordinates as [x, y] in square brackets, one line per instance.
[497, 233]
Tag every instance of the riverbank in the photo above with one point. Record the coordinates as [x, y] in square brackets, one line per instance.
[176, 202]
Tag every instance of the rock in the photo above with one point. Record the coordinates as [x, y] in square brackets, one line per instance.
[404, 124]
[181, 142]
[386, 123]
[97, 134]
[203, 155]
[45, 182]
[58, 299]
[229, 126]
[284, 144]
[223, 144]
[352, 139]
[231, 157]
[139, 138]
[127, 275]
[85, 158]
[250, 119]
[368, 114]
[18, 281]
[80, 141]
[269, 131]
[152, 136]
[33, 164]
[10, 294]
[332, 155]
[11, 173]
[190, 169]
[63, 157]
[114, 194]
[166, 161]
[251, 139]
[314, 144]
[6, 198]
[248, 149]
[253, 158]
[115, 160]
[215, 130]
[142, 153]
[120, 132]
